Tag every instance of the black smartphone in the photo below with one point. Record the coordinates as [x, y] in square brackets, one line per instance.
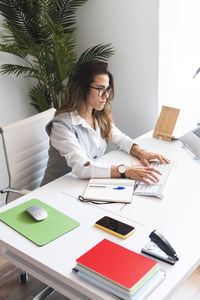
[115, 227]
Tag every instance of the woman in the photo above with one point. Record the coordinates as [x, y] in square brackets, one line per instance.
[83, 126]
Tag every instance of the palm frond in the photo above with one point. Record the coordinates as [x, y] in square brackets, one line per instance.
[41, 99]
[18, 38]
[18, 69]
[101, 52]
[24, 15]
[64, 13]
[13, 49]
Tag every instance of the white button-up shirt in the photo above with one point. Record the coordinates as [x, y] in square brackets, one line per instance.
[84, 144]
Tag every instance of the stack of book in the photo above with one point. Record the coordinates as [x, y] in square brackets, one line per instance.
[119, 271]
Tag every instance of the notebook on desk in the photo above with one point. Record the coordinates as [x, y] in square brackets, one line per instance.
[119, 270]
[191, 140]
[109, 190]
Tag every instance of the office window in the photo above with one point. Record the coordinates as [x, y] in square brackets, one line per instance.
[179, 58]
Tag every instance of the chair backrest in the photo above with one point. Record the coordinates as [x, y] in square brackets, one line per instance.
[26, 146]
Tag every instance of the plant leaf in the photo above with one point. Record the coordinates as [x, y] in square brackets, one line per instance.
[64, 13]
[100, 52]
[41, 100]
[18, 69]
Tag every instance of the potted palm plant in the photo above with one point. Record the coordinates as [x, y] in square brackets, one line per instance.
[41, 33]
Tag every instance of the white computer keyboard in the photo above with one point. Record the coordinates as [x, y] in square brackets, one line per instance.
[156, 189]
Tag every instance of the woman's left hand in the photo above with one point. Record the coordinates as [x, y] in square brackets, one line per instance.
[146, 156]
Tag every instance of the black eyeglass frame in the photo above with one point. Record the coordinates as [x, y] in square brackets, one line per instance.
[102, 90]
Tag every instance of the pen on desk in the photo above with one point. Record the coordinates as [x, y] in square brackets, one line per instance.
[105, 186]
[97, 186]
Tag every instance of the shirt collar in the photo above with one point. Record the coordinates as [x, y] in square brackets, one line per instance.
[76, 119]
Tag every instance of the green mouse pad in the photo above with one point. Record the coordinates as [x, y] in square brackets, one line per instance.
[39, 232]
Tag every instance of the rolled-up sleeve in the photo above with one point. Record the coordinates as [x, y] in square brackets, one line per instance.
[121, 140]
[65, 141]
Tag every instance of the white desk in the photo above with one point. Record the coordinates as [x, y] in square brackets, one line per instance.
[176, 216]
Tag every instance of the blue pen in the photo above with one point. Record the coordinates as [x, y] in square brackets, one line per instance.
[119, 188]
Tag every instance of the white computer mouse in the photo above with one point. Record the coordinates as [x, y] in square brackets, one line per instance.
[37, 212]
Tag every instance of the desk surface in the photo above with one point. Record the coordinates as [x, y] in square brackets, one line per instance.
[176, 216]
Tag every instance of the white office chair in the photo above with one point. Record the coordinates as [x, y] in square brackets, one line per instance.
[26, 146]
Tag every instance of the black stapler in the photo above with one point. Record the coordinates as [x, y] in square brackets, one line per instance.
[160, 248]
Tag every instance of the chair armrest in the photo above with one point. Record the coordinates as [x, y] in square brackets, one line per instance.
[24, 192]
[9, 190]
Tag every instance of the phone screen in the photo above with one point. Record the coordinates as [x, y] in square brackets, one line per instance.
[115, 225]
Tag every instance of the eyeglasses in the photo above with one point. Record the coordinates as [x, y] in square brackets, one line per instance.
[102, 91]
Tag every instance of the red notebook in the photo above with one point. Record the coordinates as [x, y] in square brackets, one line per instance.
[118, 264]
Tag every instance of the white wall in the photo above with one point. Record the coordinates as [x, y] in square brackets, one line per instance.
[179, 50]
[132, 28]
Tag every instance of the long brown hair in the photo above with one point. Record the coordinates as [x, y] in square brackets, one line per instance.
[78, 89]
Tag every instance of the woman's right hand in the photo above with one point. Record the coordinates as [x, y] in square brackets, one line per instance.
[143, 174]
